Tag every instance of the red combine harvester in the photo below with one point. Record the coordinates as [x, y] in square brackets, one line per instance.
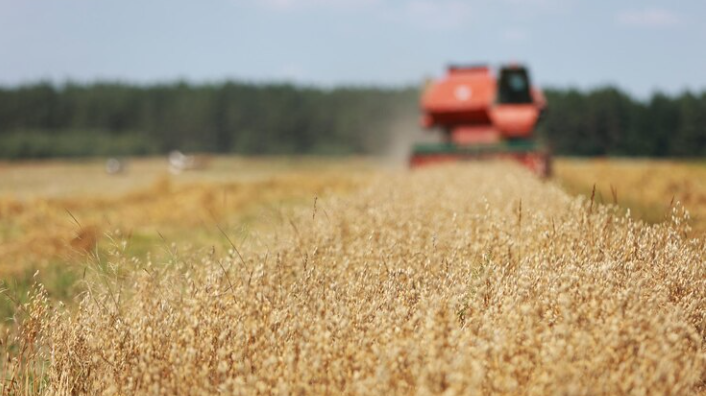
[483, 116]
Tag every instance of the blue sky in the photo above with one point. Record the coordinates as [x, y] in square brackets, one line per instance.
[641, 46]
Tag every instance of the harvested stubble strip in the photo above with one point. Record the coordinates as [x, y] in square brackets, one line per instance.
[473, 279]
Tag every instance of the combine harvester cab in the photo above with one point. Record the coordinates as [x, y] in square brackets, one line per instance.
[483, 116]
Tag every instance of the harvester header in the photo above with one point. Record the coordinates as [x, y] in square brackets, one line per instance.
[483, 113]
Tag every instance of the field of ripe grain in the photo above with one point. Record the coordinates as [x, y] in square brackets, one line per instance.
[468, 279]
[58, 216]
[648, 187]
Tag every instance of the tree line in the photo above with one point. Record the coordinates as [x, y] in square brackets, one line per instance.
[607, 121]
[48, 120]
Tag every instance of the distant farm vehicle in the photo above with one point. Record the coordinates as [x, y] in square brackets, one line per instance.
[115, 166]
[180, 162]
[483, 115]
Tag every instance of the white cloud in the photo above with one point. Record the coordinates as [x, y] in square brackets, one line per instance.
[534, 3]
[449, 14]
[299, 4]
[292, 72]
[535, 7]
[516, 35]
[649, 18]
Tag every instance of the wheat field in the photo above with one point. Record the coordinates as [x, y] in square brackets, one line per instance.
[647, 186]
[468, 279]
[57, 216]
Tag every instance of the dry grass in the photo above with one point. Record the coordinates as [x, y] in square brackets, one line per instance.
[51, 211]
[41, 231]
[25, 181]
[648, 187]
[474, 279]
[56, 216]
